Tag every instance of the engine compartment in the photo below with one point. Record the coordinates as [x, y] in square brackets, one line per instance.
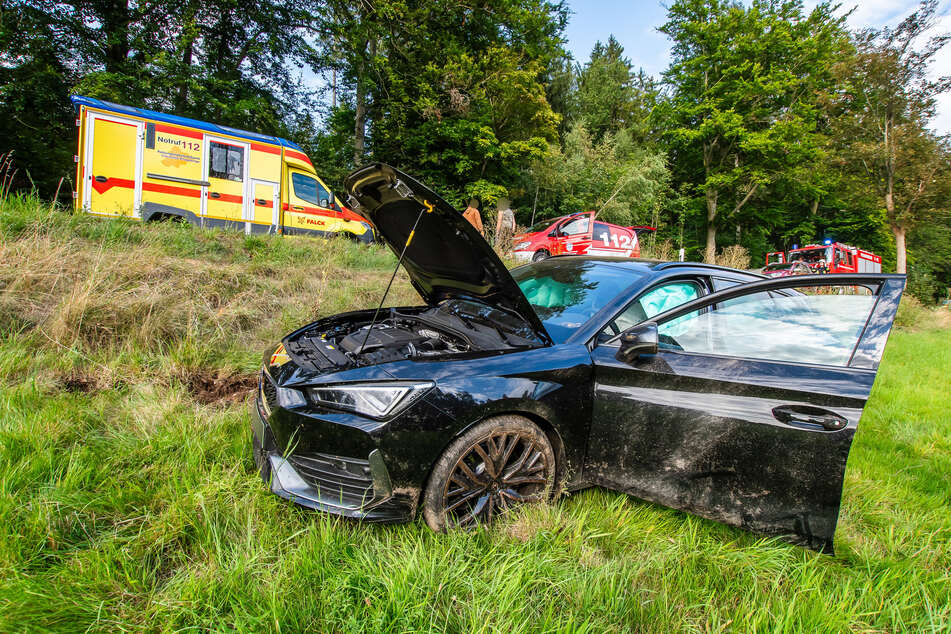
[452, 328]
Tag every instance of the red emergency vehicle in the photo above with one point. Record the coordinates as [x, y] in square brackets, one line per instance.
[577, 234]
[831, 257]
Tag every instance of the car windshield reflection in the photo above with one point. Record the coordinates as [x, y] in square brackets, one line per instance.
[566, 294]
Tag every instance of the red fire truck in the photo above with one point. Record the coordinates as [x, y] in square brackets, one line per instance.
[830, 257]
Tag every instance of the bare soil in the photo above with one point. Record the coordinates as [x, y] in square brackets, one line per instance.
[211, 386]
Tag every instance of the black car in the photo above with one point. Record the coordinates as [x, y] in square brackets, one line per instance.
[697, 387]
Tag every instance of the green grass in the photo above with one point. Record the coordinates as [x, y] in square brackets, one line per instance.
[130, 502]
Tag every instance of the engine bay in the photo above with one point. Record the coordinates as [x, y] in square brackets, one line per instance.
[453, 327]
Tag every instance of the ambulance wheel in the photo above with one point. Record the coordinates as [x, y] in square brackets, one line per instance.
[540, 255]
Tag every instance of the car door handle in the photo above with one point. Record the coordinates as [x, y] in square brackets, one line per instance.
[215, 195]
[809, 417]
[101, 179]
[261, 201]
[297, 208]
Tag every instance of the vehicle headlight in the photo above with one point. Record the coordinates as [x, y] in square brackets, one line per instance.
[374, 400]
[288, 398]
[522, 245]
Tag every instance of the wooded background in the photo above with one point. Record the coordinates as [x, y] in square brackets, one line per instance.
[772, 126]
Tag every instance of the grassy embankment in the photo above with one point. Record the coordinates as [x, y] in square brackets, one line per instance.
[128, 498]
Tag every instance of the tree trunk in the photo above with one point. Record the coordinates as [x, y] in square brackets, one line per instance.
[360, 126]
[711, 254]
[360, 114]
[181, 100]
[901, 260]
[115, 20]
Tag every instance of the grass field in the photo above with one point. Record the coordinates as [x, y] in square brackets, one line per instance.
[129, 499]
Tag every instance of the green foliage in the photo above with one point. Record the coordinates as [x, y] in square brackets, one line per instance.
[610, 97]
[623, 181]
[225, 61]
[886, 99]
[740, 115]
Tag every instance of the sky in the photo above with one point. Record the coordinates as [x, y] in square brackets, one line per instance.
[634, 24]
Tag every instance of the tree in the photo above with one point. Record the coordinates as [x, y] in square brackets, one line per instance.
[610, 97]
[743, 83]
[226, 61]
[888, 100]
[624, 181]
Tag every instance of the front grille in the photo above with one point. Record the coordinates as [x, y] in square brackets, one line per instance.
[340, 481]
[269, 392]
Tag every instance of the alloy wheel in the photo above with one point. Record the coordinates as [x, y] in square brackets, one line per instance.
[496, 473]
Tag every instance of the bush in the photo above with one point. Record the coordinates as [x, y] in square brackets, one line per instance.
[913, 315]
[735, 257]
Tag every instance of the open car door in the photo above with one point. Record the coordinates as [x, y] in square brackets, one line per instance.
[741, 406]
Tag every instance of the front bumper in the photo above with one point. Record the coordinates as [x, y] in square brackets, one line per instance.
[352, 487]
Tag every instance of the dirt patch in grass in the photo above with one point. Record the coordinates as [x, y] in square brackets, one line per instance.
[78, 383]
[211, 386]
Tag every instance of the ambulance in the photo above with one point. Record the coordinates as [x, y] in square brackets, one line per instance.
[147, 166]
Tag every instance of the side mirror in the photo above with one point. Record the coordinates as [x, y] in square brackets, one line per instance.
[637, 340]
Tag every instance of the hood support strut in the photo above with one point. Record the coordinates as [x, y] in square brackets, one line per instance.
[426, 208]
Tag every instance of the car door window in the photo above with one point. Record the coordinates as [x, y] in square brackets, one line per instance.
[575, 227]
[818, 325]
[720, 283]
[309, 189]
[654, 302]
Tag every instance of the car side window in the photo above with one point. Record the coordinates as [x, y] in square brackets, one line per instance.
[575, 227]
[654, 302]
[720, 283]
[309, 189]
[817, 325]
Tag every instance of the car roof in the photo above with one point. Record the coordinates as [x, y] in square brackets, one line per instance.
[644, 265]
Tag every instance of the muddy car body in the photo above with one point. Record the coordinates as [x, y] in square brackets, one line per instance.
[568, 373]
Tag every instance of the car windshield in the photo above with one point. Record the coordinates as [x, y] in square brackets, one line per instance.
[567, 293]
[541, 225]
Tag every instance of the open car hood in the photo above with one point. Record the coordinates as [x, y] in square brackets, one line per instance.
[446, 257]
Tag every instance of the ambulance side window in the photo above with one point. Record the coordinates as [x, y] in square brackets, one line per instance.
[309, 189]
[227, 162]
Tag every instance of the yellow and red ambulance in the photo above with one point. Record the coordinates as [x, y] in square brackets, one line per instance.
[148, 165]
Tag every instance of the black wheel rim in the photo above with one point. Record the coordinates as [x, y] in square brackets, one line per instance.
[493, 475]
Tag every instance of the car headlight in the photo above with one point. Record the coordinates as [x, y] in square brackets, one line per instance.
[288, 398]
[522, 245]
[374, 400]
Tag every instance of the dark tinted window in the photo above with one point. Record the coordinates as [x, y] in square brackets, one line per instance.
[567, 294]
[227, 162]
[602, 232]
[540, 226]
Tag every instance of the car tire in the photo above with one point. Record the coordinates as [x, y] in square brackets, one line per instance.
[464, 490]
[540, 255]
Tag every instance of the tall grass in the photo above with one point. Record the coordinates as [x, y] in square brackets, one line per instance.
[128, 503]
